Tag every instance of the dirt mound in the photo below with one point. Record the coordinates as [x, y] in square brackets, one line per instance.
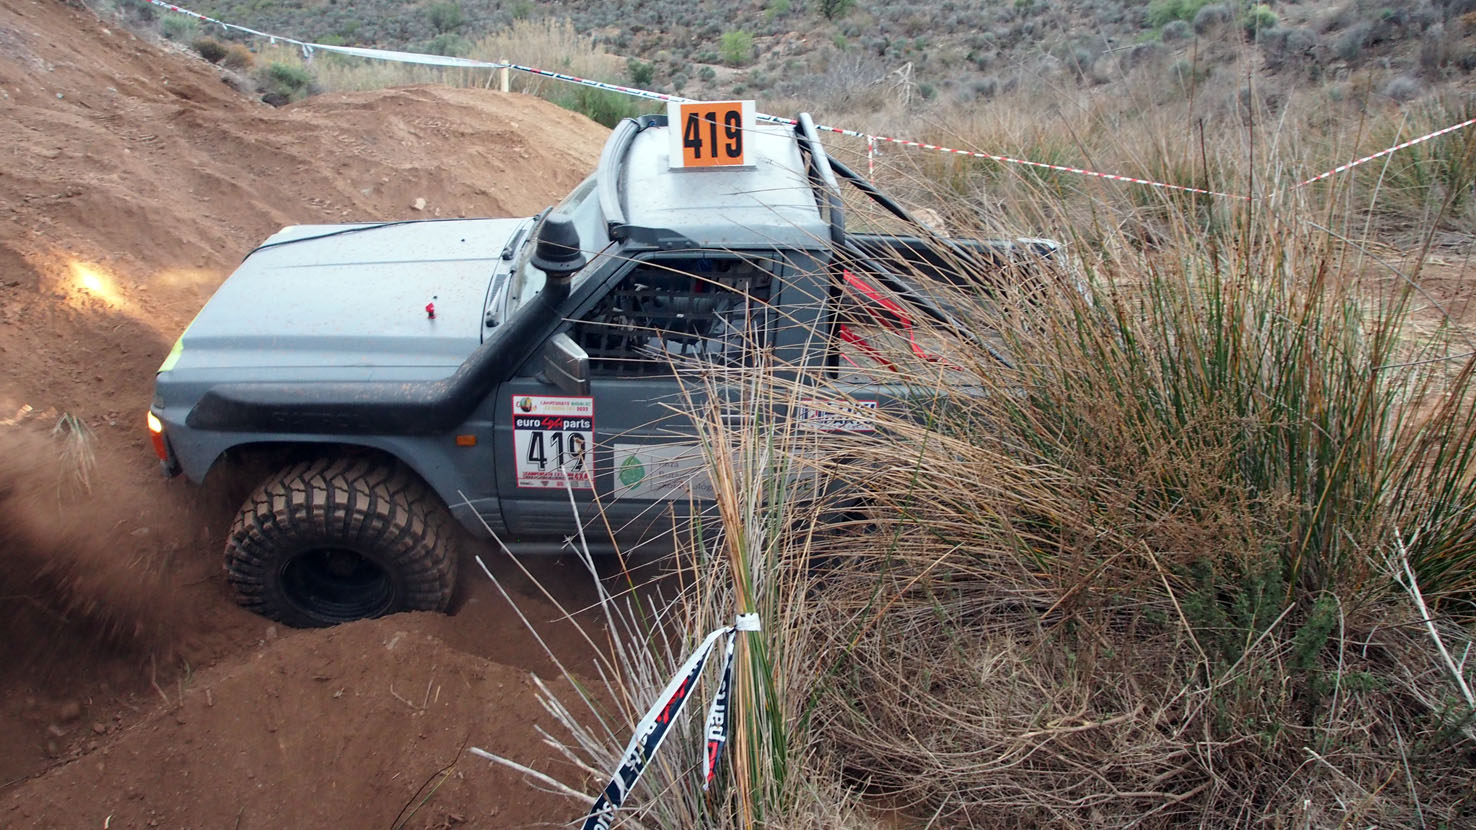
[132, 180]
[245, 744]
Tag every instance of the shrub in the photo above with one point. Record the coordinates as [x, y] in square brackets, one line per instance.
[209, 48]
[598, 105]
[707, 74]
[831, 9]
[1186, 73]
[1163, 12]
[179, 28]
[737, 47]
[1145, 53]
[1175, 31]
[1259, 19]
[1402, 89]
[641, 74]
[1283, 44]
[138, 11]
[445, 17]
[1210, 18]
[447, 44]
[1351, 43]
[1300, 41]
[1434, 49]
[1077, 59]
[521, 9]
[237, 56]
[284, 82]
[679, 81]
[986, 87]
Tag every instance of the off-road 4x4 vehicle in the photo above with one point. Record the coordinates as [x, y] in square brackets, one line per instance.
[402, 374]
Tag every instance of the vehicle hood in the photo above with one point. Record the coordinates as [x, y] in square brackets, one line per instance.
[322, 296]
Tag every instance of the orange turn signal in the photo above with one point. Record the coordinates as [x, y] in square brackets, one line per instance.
[156, 432]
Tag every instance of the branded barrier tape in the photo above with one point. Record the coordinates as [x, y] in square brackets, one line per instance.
[651, 731]
[870, 139]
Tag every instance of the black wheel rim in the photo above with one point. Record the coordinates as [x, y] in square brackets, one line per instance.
[337, 585]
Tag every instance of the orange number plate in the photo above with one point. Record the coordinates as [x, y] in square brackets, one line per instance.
[711, 134]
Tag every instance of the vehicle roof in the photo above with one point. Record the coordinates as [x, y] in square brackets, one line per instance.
[768, 203]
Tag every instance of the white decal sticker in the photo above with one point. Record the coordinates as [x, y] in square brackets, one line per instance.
[838, 415]
[661, 472]
[553, 441]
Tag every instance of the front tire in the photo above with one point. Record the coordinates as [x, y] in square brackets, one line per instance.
[333, 540]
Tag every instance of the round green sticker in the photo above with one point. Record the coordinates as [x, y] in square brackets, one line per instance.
[631, 471]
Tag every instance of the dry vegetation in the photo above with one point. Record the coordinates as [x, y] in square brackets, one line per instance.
[1201, 553]
[1169, 566]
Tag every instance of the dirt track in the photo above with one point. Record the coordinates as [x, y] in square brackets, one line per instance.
[132, 179]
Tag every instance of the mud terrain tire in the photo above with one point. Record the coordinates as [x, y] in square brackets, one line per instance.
[332, 540]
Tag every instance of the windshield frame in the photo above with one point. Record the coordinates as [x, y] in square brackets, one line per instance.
[583, 206]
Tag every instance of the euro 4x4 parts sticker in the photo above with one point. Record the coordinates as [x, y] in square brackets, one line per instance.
[553, 441]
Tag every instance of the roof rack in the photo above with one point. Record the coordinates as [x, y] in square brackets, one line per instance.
[822, 177]
[608, 183]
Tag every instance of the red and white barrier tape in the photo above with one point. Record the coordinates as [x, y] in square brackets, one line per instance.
[574, 79]
[1350, 165]
[870, 139]
[1062, 168]
[309, 47]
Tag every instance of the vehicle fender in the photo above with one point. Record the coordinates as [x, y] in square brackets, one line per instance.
[462, 476]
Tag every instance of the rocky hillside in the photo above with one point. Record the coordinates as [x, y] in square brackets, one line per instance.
[954, 51]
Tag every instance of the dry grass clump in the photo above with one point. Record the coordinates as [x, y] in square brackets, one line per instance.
[1181, 536]
[1151, 573]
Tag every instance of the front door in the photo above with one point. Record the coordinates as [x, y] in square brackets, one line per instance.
[626, 454]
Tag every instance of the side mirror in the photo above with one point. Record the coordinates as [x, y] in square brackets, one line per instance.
[566, 365]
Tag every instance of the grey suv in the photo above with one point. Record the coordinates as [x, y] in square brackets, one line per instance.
[400, 375]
